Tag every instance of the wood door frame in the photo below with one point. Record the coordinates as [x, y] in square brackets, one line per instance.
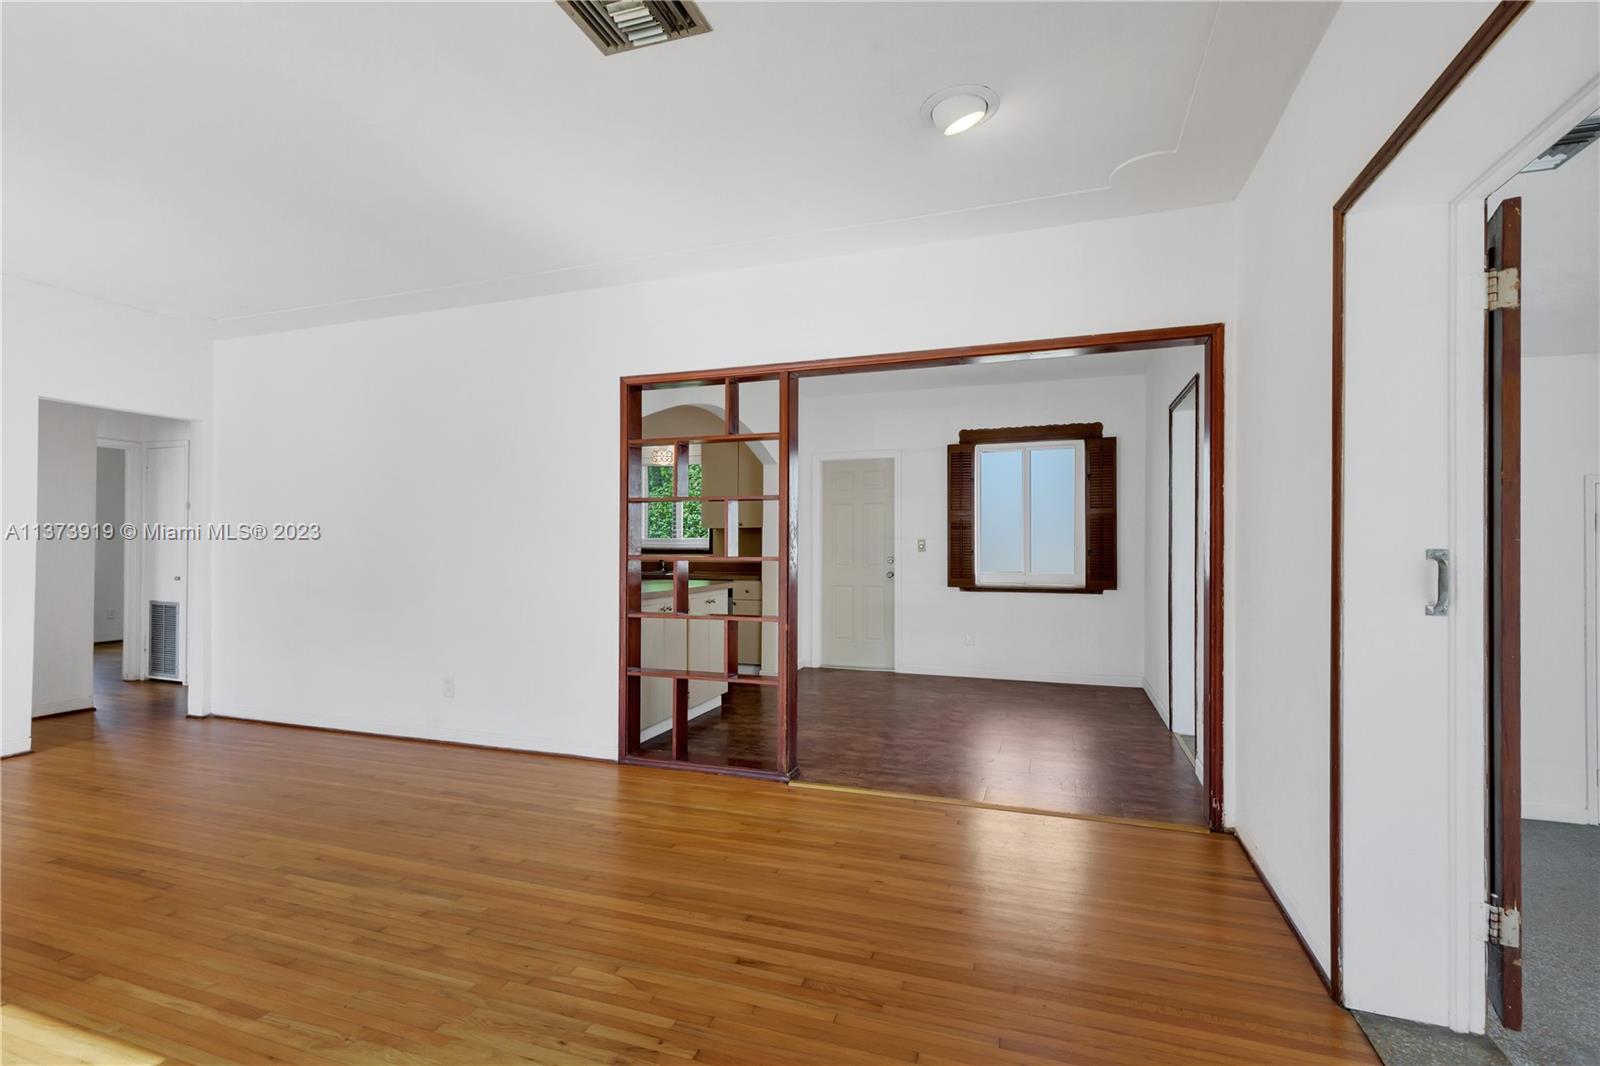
[1208, 336]
[815, 584]
[1193, 385]
[1500, 19]
[1503, 606]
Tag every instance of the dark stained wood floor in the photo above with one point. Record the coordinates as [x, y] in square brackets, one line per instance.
[1071, 749]
[220, 891]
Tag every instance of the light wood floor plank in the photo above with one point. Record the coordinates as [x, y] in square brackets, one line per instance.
[217, 891]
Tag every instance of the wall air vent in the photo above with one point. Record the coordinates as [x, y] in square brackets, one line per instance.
[625, 25]
[163, 640]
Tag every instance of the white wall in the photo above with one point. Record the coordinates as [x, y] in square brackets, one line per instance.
[1020, 636]
[63, 629]
[109, 506]
[1412, 839]
[453, 455]
[66, 347]
[1169, 372]
[1560, 448]
[1277, 673]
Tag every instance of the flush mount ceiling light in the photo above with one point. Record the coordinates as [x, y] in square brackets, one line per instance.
[960, 108]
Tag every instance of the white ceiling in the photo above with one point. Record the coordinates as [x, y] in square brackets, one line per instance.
[335, 161]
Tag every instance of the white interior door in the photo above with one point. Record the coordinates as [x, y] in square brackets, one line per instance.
[1396, 634]
[858, 563]
[166, 560]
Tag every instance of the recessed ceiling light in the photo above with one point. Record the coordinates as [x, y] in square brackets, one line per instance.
[960, 108]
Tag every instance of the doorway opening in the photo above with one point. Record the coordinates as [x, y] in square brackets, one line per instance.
[1183, 561]
[111, 613]
[864, 561]
[1542, 371]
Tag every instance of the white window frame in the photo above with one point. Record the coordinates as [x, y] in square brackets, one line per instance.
[679, 542]
[1078, 578]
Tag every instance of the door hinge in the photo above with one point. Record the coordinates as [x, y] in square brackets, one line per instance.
[1505, 926]
[1504, 289]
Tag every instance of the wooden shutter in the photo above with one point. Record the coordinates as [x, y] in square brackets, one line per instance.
[1101, 518]
[959, 502]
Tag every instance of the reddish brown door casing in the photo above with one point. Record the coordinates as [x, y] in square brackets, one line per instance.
[1503, 351]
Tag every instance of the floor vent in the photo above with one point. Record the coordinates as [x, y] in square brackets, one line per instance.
[163, 640]
[625, 25]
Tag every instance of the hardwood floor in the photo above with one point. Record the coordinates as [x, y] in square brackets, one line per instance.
[1072, 749]
[217, 891]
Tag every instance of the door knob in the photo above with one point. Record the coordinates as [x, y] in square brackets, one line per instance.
[890, 574]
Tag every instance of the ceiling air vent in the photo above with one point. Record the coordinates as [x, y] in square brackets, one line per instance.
[624, 25]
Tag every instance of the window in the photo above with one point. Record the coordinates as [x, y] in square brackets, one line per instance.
[1033, 509]
[1030, 513]
[673, 525]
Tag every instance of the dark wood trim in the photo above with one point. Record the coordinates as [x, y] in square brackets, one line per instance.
[1209, 336]
[1499, 21]
[700, 557]
[1214, 441]
[1053, 589]
[700, 438]
[701, 499]
[1305, 946]
[788, 575]
[629, 692]
[1082, 344]
[1027, 434]
[1503, 606]
[1199, 416]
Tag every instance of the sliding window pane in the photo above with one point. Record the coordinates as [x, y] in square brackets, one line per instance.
[1000, 512]
[1053, 522]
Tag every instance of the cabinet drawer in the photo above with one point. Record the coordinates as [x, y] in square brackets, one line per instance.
[708, 602]
[747, 590]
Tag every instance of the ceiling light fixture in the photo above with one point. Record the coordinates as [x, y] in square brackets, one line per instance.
[960, 108]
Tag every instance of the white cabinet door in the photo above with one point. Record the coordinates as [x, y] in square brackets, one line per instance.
[660, 648]
[707, 645]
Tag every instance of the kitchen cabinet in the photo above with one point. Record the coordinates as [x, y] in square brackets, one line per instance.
[747, 600]
[660, 648]
[707, 643]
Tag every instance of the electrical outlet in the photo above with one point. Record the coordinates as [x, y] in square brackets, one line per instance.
[969, 640]
[449, 688]
[922, 544]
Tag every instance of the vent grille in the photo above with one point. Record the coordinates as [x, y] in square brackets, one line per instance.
[625, 25]
[163, 640]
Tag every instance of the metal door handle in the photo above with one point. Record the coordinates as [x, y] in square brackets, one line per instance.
[1441, 604]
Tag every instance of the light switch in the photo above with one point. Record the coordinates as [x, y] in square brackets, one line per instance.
[922, 544]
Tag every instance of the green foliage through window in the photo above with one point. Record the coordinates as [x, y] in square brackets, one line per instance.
[662, 519]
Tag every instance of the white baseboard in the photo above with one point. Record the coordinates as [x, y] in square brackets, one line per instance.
[949, 670]
[694, 712]
[1305, 921]
[71, 703]
[1160, 703]
[1549, 812]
